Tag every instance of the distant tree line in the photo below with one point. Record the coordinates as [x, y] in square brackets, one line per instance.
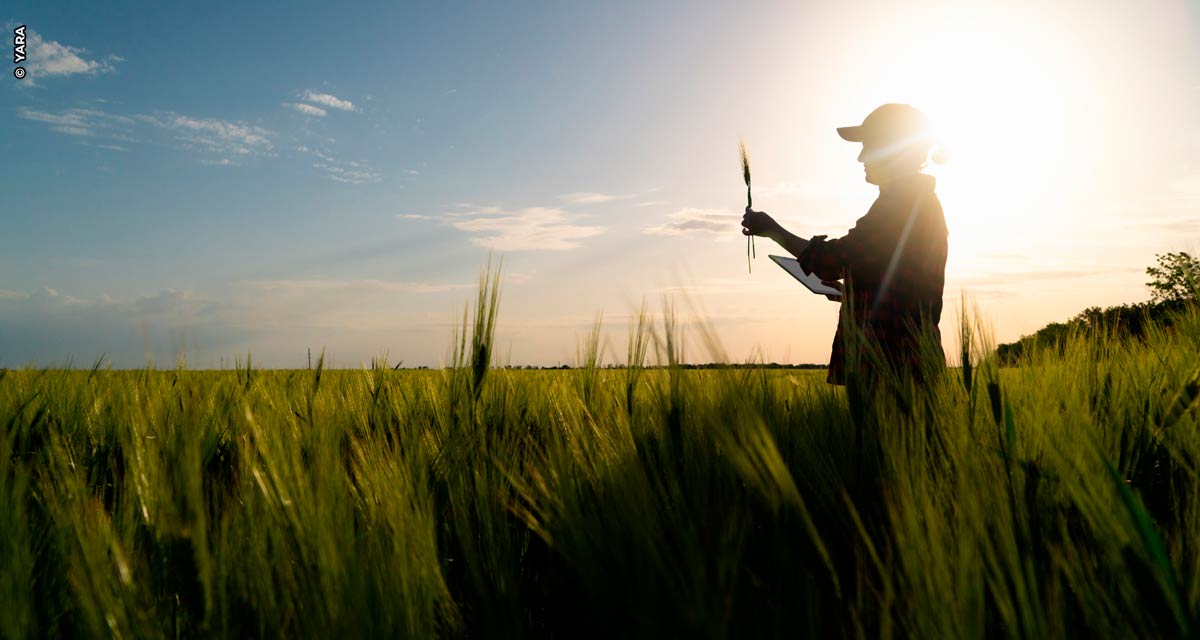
[1174, 285]
[703, 365]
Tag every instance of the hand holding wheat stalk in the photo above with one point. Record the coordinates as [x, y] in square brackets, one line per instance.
[746, 174]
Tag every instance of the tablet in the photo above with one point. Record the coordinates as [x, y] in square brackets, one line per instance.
[810, 280]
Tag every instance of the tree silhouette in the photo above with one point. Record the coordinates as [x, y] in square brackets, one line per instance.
[1175, 279]
[1174, 285]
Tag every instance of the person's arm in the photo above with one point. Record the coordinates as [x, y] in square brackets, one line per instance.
[758, 223]
[790, 242]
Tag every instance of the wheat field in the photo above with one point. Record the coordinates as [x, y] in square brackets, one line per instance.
[1057, 498]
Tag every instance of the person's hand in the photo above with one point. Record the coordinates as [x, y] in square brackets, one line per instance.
[758, 223]
[836, 285]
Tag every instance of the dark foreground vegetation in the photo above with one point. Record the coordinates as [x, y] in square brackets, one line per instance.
[1055, 499]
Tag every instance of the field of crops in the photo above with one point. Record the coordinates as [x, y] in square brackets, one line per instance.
[1054, 499]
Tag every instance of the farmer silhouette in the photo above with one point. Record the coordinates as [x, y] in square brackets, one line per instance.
[894, 259]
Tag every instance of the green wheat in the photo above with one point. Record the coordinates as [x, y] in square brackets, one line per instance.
[749, 203]
[649, 500]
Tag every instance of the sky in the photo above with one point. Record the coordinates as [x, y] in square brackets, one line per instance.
[214, 181]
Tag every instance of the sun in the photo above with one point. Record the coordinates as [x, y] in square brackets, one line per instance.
[1003, 98]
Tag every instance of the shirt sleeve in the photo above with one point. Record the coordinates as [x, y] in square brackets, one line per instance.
[864, 249]
[822, 258]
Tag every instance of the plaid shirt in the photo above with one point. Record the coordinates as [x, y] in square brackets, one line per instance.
[894, 261]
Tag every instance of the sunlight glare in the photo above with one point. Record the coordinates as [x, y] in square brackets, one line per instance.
[1007, 106]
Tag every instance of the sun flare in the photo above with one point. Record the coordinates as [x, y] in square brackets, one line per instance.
[1006, 105]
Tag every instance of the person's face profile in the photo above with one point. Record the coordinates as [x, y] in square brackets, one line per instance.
[873, 151]
[885, 160]
[872, 158]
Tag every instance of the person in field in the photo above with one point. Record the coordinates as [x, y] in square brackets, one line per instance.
[893, 262]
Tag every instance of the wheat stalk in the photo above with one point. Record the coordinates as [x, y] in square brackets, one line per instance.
[746, 174]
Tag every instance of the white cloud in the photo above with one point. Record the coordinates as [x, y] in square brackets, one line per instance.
[49, 326]
[688, 220]
[49, 58]
[794, 189]
[223, 137]
[275, 319]
[328, 100]
[72, 131]
[1170, 213]
[531, 229]
[731, 286]
[66, 118]
[80, 122]
[167, 301]
[474, 211]
[414, 216]
[591, 197]
[307, 109]
[1179, 227]
[344, 171]
[302, 286]
[355, 173]
[218, 141]
[1009, 282]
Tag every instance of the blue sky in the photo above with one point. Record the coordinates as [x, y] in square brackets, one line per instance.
[270, 178]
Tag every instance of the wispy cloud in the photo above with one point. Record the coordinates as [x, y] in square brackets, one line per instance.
[222, 136]
[306, 109]
[358, 173]
[1172, 209]
[1179, 226]
[72, 131]
[344, 171]
[301, 286]
[225, 138]
[1003, 282]
[48, 58]
[591, 197]
[61, 119]
[795, 189]
[467, 209]
[51, 326]
[530, 229]
[689, 220]
[327, 100]
[80, 122]
[731, 286]
[414, 216]
[215, 141]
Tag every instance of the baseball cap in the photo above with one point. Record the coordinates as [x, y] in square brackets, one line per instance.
[890, 123]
